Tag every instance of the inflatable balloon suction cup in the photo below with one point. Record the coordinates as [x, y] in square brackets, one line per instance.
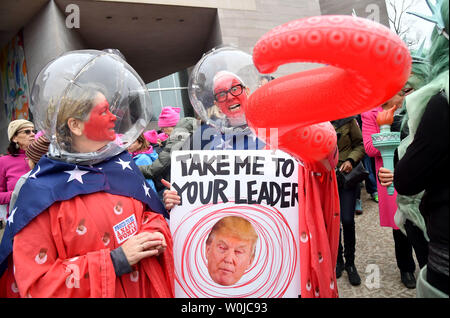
[366, 65]
[86, 83]
[220, 84]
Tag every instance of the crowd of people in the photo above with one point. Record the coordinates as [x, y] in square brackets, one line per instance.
[66, 240]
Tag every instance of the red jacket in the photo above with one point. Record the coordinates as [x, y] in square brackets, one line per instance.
[65, 251]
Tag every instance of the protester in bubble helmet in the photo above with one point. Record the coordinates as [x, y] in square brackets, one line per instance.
[114, 242]
[230, 97]
[227, 129]
[219, 101]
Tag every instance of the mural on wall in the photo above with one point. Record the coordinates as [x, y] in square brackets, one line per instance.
[13, 79]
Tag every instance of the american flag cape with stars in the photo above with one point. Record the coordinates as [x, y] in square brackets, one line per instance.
[52, 180]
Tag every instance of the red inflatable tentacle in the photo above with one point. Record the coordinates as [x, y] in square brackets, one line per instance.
[369, 64]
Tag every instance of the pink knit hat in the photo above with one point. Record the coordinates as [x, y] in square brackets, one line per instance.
[169, 116]
[163, 136]
[151, 136]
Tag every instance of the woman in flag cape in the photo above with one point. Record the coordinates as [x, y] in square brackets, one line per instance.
[85, 223]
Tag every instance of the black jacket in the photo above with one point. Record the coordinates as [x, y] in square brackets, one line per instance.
[425, 166]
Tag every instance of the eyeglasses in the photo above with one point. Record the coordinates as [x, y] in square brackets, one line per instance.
[406, 91]
[28, 131]
[235, 90]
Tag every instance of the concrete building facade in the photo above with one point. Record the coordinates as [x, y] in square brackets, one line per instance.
[158, 38]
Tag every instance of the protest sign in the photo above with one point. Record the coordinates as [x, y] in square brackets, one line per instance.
[236, 230]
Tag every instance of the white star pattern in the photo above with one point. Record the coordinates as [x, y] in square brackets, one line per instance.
[11, 217]
[76, 174]
[124, 164]
[146, 189]
[35, 173]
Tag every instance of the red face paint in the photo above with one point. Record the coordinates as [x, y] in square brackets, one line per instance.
[100, 126]
[233, 106]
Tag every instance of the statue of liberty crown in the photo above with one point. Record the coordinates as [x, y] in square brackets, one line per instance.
[419, 55]
[435, 18]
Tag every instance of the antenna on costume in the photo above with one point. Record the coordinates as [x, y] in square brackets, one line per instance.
[435, 18]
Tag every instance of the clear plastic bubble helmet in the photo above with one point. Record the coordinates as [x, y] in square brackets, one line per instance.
[75, 85]
[219, 86]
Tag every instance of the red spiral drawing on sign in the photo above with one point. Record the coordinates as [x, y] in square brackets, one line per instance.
[273, 268]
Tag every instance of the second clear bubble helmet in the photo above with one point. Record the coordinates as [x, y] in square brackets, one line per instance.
[219, 86]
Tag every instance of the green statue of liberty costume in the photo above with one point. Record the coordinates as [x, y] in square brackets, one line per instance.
[408, 205]
[435, 66]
